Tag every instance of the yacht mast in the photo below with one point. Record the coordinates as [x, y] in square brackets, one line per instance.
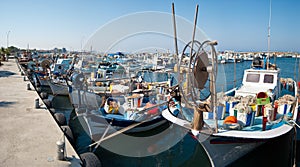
[269, 34]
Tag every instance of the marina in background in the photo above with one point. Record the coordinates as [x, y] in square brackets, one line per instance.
[193, 107]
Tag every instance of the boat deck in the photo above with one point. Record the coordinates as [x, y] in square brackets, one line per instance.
[28, 136]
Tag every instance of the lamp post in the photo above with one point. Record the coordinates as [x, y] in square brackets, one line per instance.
[81, 43]
[7, 35]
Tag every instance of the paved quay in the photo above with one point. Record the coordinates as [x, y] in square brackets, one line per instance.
[28, 136]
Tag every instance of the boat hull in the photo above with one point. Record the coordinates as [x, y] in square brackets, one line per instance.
[58, 89]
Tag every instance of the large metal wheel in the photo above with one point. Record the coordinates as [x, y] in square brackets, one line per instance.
[197, 70]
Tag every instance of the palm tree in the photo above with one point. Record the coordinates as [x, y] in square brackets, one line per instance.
[2, 54]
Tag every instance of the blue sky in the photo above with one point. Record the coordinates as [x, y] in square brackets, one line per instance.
[239, 25]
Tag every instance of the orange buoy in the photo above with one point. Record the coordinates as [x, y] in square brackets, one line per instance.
[152, 111]
[230, 120]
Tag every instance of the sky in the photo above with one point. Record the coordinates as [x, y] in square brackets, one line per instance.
[239, 25]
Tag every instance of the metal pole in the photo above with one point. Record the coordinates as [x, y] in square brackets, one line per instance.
[295, 69]
[175, 38]
[175, 33]
[7, 35]
[234, 74]
[298, 69]
[213, 84]
[81, 44]
[191, 52]
[269, 35]
[275, 55]
[7, 44]
[194, 31]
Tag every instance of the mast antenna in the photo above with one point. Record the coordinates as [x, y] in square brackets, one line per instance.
[175, 33]
[269, 34]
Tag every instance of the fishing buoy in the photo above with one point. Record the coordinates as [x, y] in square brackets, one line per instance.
[152, 111]
[230, 120]
[89, 159]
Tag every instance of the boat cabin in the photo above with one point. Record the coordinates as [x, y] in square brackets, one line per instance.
[259, 80]
[61, 66]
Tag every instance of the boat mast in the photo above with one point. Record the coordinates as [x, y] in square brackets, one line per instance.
[269, 35]
[175, 33]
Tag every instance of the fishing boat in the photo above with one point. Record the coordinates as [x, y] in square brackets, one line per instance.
[128, 107]
[59, 71]
[231, 124]
[264, 107]
[39, 72]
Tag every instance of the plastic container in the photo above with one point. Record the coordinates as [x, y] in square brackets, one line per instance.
[262, 98]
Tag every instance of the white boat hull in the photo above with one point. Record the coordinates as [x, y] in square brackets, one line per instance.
[58, 89]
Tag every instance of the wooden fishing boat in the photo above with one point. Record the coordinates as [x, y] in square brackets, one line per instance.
[59, 71]
[264, 107]
[115, 112]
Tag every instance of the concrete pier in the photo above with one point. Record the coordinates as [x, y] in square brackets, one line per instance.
[28, 135]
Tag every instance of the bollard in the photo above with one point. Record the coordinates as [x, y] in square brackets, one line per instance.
[24, 78]
[60, 150]
[37, 105]
[28, 86]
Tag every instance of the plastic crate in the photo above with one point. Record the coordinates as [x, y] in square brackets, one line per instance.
[262, 98]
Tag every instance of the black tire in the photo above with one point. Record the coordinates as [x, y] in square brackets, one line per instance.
[38, 90]
[52, 110]
[48, 103]
[89, 159]
[37, 84]
[68, 133]
[60, 119]
[44, 95]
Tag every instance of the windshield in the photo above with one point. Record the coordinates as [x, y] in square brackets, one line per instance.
[252, 78]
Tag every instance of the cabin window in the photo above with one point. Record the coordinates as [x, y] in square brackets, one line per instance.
[268, 78]
[252, 78]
